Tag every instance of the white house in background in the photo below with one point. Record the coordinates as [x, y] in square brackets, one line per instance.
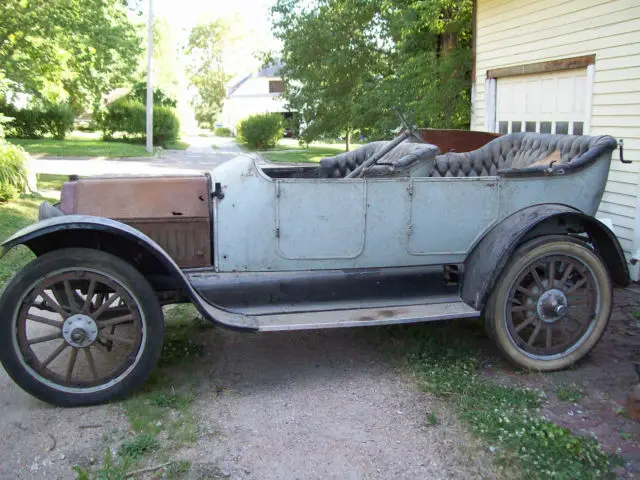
[566, 67]
[252, 94]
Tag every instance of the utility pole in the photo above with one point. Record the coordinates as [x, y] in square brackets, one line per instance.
[149, 82]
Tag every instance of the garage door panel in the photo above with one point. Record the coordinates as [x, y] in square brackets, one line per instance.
[545, 103]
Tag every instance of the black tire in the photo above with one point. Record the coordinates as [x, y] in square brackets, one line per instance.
[586, 284]
[80, 268]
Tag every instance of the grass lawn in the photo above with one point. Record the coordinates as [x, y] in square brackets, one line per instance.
[290, 151]
[83, 144]
[15, 215]
[51, 181]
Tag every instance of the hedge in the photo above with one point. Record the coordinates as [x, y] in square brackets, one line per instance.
[129, 118]
[54, 120]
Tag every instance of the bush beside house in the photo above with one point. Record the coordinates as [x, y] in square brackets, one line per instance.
[261, 131]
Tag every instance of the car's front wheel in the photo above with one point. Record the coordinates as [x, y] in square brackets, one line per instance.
[98, 344]
[551, 305]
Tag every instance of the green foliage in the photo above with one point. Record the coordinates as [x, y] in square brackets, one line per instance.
[505, 417]
[128, 117]
[160, 97]
[349, 63]
[166, 126]
[262, 130]
[110, 469]
[222, 132]
[569, 393]
[67, 50]
[54, 120]
[205, 70]
[138, 446]
[13, 171]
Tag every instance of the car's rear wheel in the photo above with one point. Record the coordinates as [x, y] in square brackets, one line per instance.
[551, 305]
[79, 327]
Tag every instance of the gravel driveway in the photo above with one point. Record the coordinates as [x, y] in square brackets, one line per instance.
[301, 405]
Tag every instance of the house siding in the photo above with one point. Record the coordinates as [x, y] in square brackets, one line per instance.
[517, 32]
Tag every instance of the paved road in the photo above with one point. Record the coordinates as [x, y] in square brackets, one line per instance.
[204, 154]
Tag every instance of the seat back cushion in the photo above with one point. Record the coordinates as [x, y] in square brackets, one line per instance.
[517, 151]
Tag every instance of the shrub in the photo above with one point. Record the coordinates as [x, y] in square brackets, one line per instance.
[54, 120]
[160, 97]
[129, 118]
[261, 131]
[222, 132]
[166, 125]
[13, 170]
[58, 120]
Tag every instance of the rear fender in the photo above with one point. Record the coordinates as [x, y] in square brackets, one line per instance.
[124, 241]
[489, 257]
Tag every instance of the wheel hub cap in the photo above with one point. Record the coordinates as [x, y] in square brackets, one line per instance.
[79, 330]
[552, 305]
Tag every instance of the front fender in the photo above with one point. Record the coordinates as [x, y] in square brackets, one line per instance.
[487, 260]
[85, 230]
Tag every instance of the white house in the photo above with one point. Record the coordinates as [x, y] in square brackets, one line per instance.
[570, 66]
[255, 93]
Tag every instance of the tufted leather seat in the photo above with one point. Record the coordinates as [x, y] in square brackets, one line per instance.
[523, 153]
[404, 160]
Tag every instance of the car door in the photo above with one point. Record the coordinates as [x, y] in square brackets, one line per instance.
[320, 219]
[449, 214]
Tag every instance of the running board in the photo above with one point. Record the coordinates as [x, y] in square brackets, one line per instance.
[361, 317]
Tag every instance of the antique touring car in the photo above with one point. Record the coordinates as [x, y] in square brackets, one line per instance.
[393, 232]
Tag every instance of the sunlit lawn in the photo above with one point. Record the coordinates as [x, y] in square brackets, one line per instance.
[290, 151]
[81, 144]
[15, 215]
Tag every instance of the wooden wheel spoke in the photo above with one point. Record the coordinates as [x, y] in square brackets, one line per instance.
[71, 297]
[106, 304]
[115, 321]
[534, 334]
[552, 273]
[577, 285]
[46, 321]
[116, 338]
[536, 278]
[44, 338]
[71, 364]
[91, 362]
[89, 298]
[565, 275]
[55, 354]
[526, 323]
[548, 336]
[525, 291]
[53, 304]
[527, 307]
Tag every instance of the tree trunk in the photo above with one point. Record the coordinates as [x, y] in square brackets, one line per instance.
[348, 140]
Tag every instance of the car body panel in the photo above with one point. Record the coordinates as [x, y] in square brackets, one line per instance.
[322, 224]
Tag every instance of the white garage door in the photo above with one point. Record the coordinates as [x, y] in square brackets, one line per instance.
[544, 103]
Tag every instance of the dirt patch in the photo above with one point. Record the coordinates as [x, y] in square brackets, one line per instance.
[322, 404]
[590, 399]
[40, 441]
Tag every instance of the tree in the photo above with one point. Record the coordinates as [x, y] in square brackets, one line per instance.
[330, 53]
[67, 50]
[349, 63]
[205, 70]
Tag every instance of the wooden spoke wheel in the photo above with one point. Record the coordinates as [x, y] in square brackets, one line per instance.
[79, 327]
[551, 305]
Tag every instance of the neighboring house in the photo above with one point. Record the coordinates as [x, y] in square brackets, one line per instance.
[566, 67]
[255, 93]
